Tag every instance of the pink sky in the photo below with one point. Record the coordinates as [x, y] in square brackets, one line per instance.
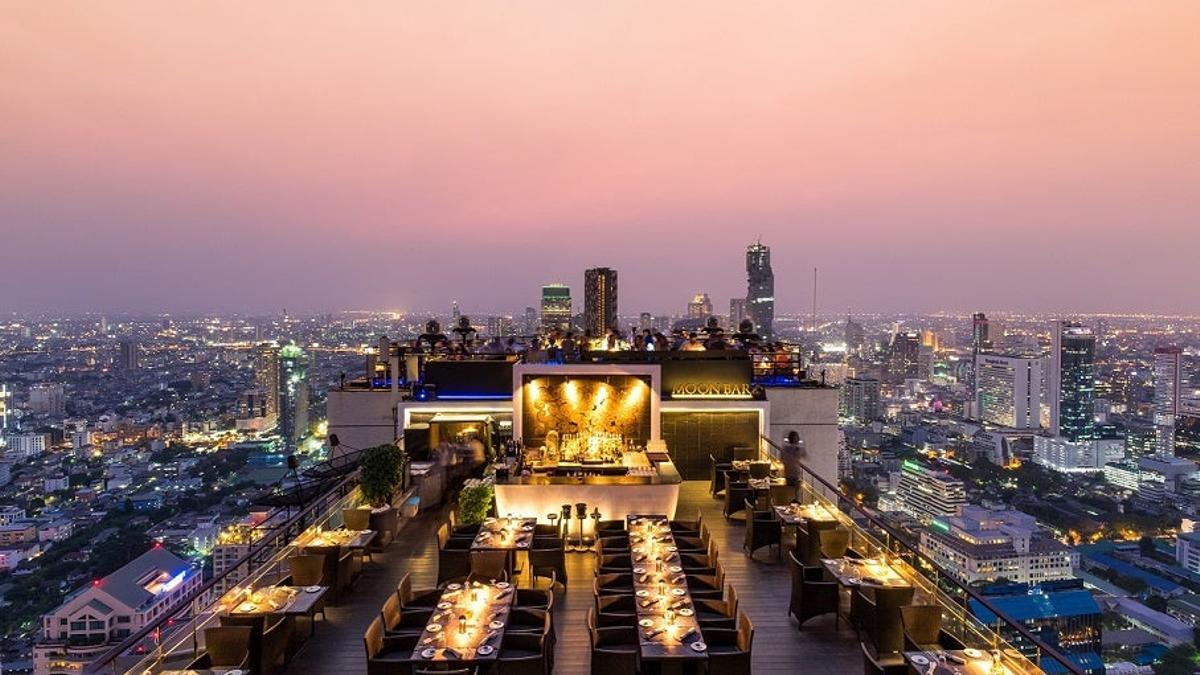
[316, 155]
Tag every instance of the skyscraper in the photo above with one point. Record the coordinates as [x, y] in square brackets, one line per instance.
[129, 359]
[529, 323]
[855, 337]
[599, 300]
[980, 335]
[266, 376]
[739, 309]
[1009, 390]
[860, 400]
[293, 395]
[556, 307]
[5, 399]
[760, 291]
[1071, 386]
[48, 399]
[903, 356]
[1168, 376]
[700, 307]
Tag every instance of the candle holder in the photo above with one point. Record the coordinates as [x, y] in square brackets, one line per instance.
[565, 532]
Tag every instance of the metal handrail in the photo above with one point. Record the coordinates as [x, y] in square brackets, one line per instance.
[110, 656]
[1042, 646]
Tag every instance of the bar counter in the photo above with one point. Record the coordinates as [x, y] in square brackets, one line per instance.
[545, 491]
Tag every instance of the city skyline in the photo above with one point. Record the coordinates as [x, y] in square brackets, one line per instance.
[940, 156]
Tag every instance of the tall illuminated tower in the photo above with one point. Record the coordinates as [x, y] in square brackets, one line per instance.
[760, 291]
[599, 300]
[556, 307]
[1072, 383]
[1168, 376]
[293, 395]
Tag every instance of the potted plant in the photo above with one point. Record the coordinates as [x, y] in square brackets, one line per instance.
[381, 475]
[475, 500]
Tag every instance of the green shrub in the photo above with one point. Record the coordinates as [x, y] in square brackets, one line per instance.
[475, 500]
[382, 473]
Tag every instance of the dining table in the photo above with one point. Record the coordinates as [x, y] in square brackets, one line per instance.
[668, 630]
[962, 662]
[467, 625]
[799, 514]
[504, 534]
[280, 601]
[354, 539]
[852, 572]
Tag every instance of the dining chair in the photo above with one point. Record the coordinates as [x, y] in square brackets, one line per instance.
[614, 610]
[812, 594]
[420, 598]
[453, 565]
[614, 650]
[736, 493]
[522, 654]
[886, 627]
[226, 647]
[488, 566]
[613, 584]
[388, 655]
[356, 519]
[611, 526]
[549, 563]
[718, 613]
[834, 542]
[276, 635]
[455, 528]
[707, 585]
[730, 650]
[762, 529]
[923, 629]
[397, 621]
[534, 598]
[717, 472]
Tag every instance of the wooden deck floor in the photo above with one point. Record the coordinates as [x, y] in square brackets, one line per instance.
[762, 585]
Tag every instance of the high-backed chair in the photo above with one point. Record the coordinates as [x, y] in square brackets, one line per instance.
[613, 584]
[610, 527]
[729, 651]
[614, 650]
[458, 529]
[402, 622]
[356, 519]
[522, 654]
[615, 610]
[812, 594]
[808, 546]
[422, 598]
[307, 570]
[226, 647]
[760, 470]
[717, 472]
[923, 629]
[388, 655]
[718, 613]
[780, 495]
[329, 566]
[534, 598]
[276, 635]
[453, 565]
[886, 664]
[550, 563]
[710, 586]
[736, 494]
[488, 566]
[447, 540]
[688, 527]
[834, 543]
[887, 627]
[762, 529]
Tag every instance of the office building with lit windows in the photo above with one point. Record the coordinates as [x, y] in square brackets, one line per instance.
[293, 395]
[1009, 390]
[927, 494]
[556, 307]
[1168, 383]
[980, 544]
[760, 291]
[1071, 383]
[599, 300]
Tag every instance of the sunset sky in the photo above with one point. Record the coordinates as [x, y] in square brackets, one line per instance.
[960, 155]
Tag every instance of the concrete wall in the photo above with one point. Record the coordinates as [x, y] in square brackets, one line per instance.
[812, 413]
[362, 418]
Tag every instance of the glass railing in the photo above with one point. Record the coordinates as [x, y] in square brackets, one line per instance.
[875, 539]
[176, 639]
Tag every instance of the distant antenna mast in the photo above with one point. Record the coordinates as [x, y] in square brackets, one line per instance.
[814, 305]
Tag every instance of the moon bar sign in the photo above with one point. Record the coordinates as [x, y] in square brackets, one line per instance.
[710, 390]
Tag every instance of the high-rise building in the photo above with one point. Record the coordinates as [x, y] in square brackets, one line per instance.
[5, 402]
[903, 355]
[760, 291]
[1168, 381]
[48, 399]
[700, 306]
[1071, 384]
[860, 398]
[293, 395]
[926, 494]
[645, 321]
[855, 337]
[556, 307]
[1009, 390]
[739, 310]
[980, 335]
[130, 358]
[266, 376]
[529, 323]
[599, 300]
